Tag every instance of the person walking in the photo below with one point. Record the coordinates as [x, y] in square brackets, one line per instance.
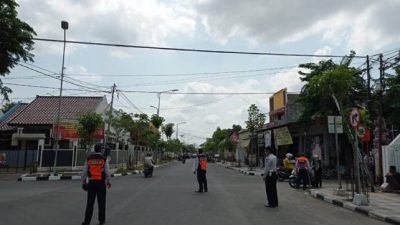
[302, 168]
[270, 177]
[200, 168]
[96, 179]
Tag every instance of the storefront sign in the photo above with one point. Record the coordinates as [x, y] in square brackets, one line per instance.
[282, 136]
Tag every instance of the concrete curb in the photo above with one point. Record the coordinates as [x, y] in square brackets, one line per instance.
[242, 171]
[364, 210]
[26, 177]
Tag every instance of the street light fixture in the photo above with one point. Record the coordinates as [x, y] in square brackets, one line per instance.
[159, 99]
[64, 26]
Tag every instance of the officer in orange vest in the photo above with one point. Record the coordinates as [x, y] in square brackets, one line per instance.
[96, 179]
[200, 167]
[302, 167]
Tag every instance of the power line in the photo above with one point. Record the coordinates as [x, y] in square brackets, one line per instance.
[203, 93]
[54, 88]
[129, 101]
[186, 74]
[178, 81]
[191, 49]
[48, 75]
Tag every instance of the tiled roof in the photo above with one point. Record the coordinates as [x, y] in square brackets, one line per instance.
[9, 115]
[43, 110]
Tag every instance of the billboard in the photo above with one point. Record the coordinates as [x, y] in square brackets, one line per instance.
[68, 130]
[278, 99]
[282, 136]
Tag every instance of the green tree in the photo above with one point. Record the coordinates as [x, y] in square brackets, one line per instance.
[87, 126]
[7, 106]
[168, 130]
[391, 102]
[333, 89]
[15, 41]
[157, 120]
[140, 126]
[122, 123]
[173, 145]
[255, 119]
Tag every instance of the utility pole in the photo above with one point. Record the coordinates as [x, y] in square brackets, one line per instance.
[64, 26]
[110, 112]
[380, 123]
[369, 107]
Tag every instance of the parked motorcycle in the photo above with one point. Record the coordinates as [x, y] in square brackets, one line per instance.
[283, 174]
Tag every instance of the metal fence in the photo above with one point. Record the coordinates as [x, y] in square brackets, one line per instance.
[73, 158]
[19, 158]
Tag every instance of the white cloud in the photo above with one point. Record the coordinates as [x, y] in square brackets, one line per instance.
[212, 119]
[146, 22]
[362, 25]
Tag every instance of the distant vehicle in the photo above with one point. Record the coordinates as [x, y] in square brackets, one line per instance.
[217, 158]
[194, 156]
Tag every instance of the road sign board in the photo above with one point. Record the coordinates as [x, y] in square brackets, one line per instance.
[355, 117]
[335, 120]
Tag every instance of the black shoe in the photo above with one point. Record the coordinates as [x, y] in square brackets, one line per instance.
[102, 222]
[199, 191]
[85, 223]
[205, 190]
[269, 206]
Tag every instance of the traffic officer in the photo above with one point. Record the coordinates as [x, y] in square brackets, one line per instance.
[270, 178]
[95, 178]
[302, 168]
[200, 167]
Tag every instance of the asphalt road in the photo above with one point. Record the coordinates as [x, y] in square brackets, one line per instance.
[169, 198]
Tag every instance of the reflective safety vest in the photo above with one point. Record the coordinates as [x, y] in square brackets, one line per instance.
[96, 167]
[202, 163]
[302, 163]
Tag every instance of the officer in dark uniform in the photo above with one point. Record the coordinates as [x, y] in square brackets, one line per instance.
[96, 179]
[200, 167]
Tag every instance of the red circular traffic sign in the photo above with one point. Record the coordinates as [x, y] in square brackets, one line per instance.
[355, 117]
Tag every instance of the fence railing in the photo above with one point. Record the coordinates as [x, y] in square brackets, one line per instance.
[44, 159]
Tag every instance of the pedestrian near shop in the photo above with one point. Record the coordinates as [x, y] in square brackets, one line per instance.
[200, 168]
[270, 177]
[302, 168]
[95, 180]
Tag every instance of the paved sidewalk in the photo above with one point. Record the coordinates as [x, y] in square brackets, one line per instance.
[382, 206]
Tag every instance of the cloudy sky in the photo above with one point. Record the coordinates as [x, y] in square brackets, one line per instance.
[282, 26]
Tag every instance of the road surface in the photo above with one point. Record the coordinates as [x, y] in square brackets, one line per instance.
[168, 198]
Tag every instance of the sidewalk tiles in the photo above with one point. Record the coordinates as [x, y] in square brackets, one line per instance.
[382, 206]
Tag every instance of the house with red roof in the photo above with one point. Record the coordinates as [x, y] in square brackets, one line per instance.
[37, 120]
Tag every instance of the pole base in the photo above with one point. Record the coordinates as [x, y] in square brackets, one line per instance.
[360, 200]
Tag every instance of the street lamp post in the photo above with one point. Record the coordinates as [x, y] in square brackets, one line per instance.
[159, 99]
[64, 26]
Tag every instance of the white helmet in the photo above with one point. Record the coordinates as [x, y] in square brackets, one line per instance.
[289, 155]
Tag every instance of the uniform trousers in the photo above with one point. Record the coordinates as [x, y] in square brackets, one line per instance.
[270, 188]
[96, 189]
[202, 180]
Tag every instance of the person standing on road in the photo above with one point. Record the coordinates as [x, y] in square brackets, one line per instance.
[200, 167]
[302, 168]
[96, 179]
[270, 177]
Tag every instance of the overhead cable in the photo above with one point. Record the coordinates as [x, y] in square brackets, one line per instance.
[192, 49]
